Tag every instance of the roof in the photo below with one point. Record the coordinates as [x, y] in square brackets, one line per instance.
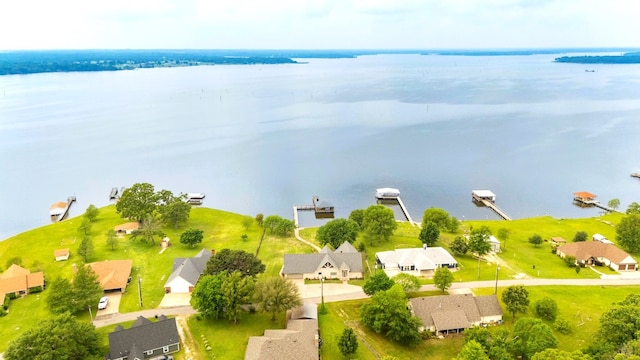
[422, 258]
[306, 311]
[60, 252]
[58, 205]
[143, 335]
[493, 240]
[308, 263]
[112, 274]
[387, 192]
[448, 312]
[296, 342]
[484, 193]
[13, 271]
[583, 250]
[557, 239]
[134, 225]
[16, 279]
[584, 195]
[189, 269]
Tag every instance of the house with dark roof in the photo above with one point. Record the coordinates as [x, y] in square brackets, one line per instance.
[144, 339]
[113, 275]
[17, 281]
[299, 341]
[186, 272]
[415, 261]
[344, 263]
[451, 314]
[598, 253]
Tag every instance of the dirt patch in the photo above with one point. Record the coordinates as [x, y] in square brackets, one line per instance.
[520, 276]
[188, 344]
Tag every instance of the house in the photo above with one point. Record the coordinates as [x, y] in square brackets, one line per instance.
[127, 228]
[447, 314]
[598, 253]
[344, 263]
[186, 272]
[299, 341]
[113, 275]
[144, 339]
[601, 238]
[495, 244]
[17, 281]
[557, 241]
[416, 261]
[61, 254]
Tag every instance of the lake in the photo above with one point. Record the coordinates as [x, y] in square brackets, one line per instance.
[262, 138]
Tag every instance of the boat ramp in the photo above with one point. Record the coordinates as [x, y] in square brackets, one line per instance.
[488, 199]
[391, 194]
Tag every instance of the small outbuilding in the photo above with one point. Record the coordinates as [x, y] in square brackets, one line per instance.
[127, 228]
[61, 254]
[601, 238]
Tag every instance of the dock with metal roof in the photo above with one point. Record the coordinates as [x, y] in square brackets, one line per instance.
[488, 198]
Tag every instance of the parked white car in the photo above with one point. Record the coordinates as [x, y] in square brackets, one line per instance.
[103, 303]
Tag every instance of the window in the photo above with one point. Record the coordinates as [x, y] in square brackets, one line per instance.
[327, 265]
[150, 352]
[165, 349]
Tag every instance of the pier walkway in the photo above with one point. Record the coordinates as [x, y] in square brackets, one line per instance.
[405, 211]
[65, 212]
[496, 209]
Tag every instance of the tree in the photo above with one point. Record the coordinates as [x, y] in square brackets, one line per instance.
[628, 233]
[378, 222]
[436, 215]
[112, 239]
[621, 323]
[378, 282]
[580, 236]
[614, 204]
[285, 227]
[532, 336]
[429, 233]
[137, 202]
[479, 243]
[85, 249]
[503, 235]
[60, 298]
[14, 260]
[86, 288]
[555, 354]
[277, 294]
[247, 221]
[237, 290]
[85, 227]
[234, 260]
[192, 237]
[357, 216]
[207, 297]
[516, 299]
[459, 246]
[387, 314]
[453, 225]
[348, 342]
[443, 278]
[175, 213]
[535, 240]
[271, 223]
[61, 337]
[91, 213]
[408, 282]
[337, 231]
[633, 208]
[148, 230]
[472, 351]
[260, 219]
[546, 308]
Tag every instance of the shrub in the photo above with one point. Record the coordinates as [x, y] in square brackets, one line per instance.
[5, 304]
[3, 312]
[570, 261]
[35, 289]
[562, 326]
[546, 308]
[580, 236]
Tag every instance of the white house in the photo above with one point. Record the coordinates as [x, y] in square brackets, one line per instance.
[601, 238]
[495, 244]
[186, 272]
[416, 261]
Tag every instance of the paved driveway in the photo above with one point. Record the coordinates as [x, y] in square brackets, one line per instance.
[112, 306]
[175, 299]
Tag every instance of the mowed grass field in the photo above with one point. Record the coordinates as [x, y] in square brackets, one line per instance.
[581, 306]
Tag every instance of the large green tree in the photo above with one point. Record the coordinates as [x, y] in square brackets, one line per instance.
[337, 231]
[479, 243]
[546, 308]
[378, 282]
[112, 239]
[348, 342]
[429, 233]
[443, 278]
[378, 223]
[436, 215]
[192, 237]
[459, 246]
[277, 294]
[237, 291]
[61, 337]
[633, 208]
[516, 299]
[175, 213]
[148, 230]
[234, 260]
[535, 240]
[387, 314]
[137, 202]
[85, 249]
[628, 233]
[357, 216]
[91, 213]
[503, 235]
[532, 336]
[580, 236]
[471, 350]
[60, 296]
[86, 288]
[409, 283]
[614, 203]
[207, 297]
[278, 225]
[555, 354]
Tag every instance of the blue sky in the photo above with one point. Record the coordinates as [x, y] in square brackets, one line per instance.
[317, 24]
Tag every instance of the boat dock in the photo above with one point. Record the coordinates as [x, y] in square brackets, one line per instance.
[113, 194]
[584, 198]
[60, 210]
[635, 175]
[488, 198]
[322, 210]
[390, 194]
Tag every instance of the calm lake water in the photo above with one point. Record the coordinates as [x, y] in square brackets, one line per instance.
[260, 139]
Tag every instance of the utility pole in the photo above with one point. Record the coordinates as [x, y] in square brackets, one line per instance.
[497, 269]
[140, 290]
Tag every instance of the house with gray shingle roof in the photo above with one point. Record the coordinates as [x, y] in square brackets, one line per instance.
[186, 272]
[415, 261]
[344, 263]
[144, 339]
[447, 314]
